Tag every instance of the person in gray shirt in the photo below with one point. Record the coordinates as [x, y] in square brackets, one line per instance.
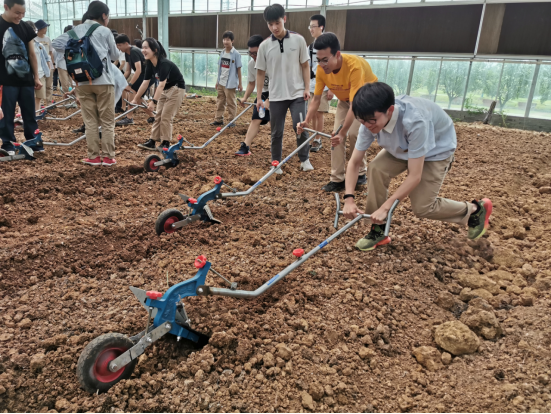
[97, 97]
[418, 136]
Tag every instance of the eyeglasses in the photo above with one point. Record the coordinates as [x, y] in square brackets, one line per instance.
[323, 62]
[312, 27]
[252, 54]
[371, 121]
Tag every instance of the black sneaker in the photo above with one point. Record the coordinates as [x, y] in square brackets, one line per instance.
[118, 110]
[314, 147]
[125, 121]
[333, 187]
[232, 125]
[244, 150]
[164, 144]
[217, 123]
[151, 119]
[362, 180]
[80, 130]
[148, 145]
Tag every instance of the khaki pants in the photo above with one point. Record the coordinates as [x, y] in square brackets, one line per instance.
[338, 153]
[65, 80]
[324, 103]
[167, 108]
[425, 202]
[98, 109]
[49, 87]
[225, 97]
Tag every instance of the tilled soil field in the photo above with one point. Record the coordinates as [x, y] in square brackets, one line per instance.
[431, 322]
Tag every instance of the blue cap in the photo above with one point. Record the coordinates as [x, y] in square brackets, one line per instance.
[40, 24]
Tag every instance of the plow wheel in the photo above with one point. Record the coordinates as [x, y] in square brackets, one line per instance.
[93, 364]
[149, 163]
[166, 219]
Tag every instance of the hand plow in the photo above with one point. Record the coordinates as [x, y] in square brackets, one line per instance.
[112, 357]
[25, 150]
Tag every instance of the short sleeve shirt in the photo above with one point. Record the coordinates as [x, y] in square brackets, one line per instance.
[225, 60]
[355, 73]
[165, 70]
[282, 59]
[418, 128]
[133, 57]
[251, 77]
[15, 66]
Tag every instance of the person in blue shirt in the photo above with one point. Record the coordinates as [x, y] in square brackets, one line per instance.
[418, 136]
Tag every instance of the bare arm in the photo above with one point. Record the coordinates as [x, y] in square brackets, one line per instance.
[306, 77]
[248, 92]
[240, 87]
[141, 91]
[260, 76]
[34, 66]
[350, 209]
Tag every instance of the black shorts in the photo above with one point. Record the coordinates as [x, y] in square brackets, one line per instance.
[266, 119]
[136, 85]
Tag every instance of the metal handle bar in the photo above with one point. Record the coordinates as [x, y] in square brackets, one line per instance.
[389, 215]
[222, 130]
[207, 290]
[64, 119]
[144, 106]
[274, 169]
[69, 144]
[54, 104]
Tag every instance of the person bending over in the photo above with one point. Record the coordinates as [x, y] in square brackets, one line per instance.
[168, 97]
[253, 44]
[418, 136]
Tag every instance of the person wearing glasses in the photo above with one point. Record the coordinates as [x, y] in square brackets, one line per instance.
[417, 136]
[245, 149]
[317, 27]
[343, 74]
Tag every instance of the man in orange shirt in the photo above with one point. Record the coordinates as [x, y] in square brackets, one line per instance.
[344, 75]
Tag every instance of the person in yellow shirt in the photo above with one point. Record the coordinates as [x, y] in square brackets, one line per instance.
[344, 75]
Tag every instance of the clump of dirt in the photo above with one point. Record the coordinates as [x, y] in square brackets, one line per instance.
[347, 331]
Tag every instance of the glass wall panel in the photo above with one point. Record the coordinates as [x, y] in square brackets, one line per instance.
[34, 11]
[541, 104]
[379, 67]
[514, 88]
[229, 5]
[243, 5]
[80, 9]
[451, 85]
[200, 69]
[152, 7]
[261, 4]
[134, 7]
[398, 74]
[483, 84]
[187, 67]
[212, 65]
[425, 78]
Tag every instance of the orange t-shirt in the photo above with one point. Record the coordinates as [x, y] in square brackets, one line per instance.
[355, 73]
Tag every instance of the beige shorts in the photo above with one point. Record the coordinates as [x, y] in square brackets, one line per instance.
[324, 103]
[41, 93]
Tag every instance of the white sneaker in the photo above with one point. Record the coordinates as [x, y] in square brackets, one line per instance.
[306, 166]
[279, 170]
[11, 152]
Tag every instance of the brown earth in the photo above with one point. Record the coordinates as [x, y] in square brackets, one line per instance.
[338, 334]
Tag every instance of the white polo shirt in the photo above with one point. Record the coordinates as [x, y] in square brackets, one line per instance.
[282, 59]
[251, 77]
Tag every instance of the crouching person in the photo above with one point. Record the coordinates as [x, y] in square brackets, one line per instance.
[418, 136]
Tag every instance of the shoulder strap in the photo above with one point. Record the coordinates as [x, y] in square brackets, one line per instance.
[91, 29]
[72, 34]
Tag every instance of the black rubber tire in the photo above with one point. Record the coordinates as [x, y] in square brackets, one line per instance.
[170, 214]
[90, 357]
[3, 153]
[148, 163]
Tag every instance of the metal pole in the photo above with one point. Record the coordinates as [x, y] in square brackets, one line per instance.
[411, 68]
[45, 10]
[193, 68]
[162, 22]
[532, 89]
[480, 28]
[438, 80]
[386, 69]
[499, 83]
[466, 85]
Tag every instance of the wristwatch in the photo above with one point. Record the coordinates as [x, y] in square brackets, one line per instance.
[154, 101]
[130, 84]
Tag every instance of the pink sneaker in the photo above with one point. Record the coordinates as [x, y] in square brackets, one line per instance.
[108, 162]
[95, 161]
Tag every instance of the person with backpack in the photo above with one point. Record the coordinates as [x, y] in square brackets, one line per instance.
[88, 49]
[168, 97]
[18, 73]
[317, 27]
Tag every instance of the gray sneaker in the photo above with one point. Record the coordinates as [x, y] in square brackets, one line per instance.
[125, 121]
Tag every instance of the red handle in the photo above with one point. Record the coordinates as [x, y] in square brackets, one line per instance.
[217, 180]
[165, 149]
[200, 262]
[153, 294]
[180, 137]
[275, 163]
[37, 132]
[192, 200]
[298, 252]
